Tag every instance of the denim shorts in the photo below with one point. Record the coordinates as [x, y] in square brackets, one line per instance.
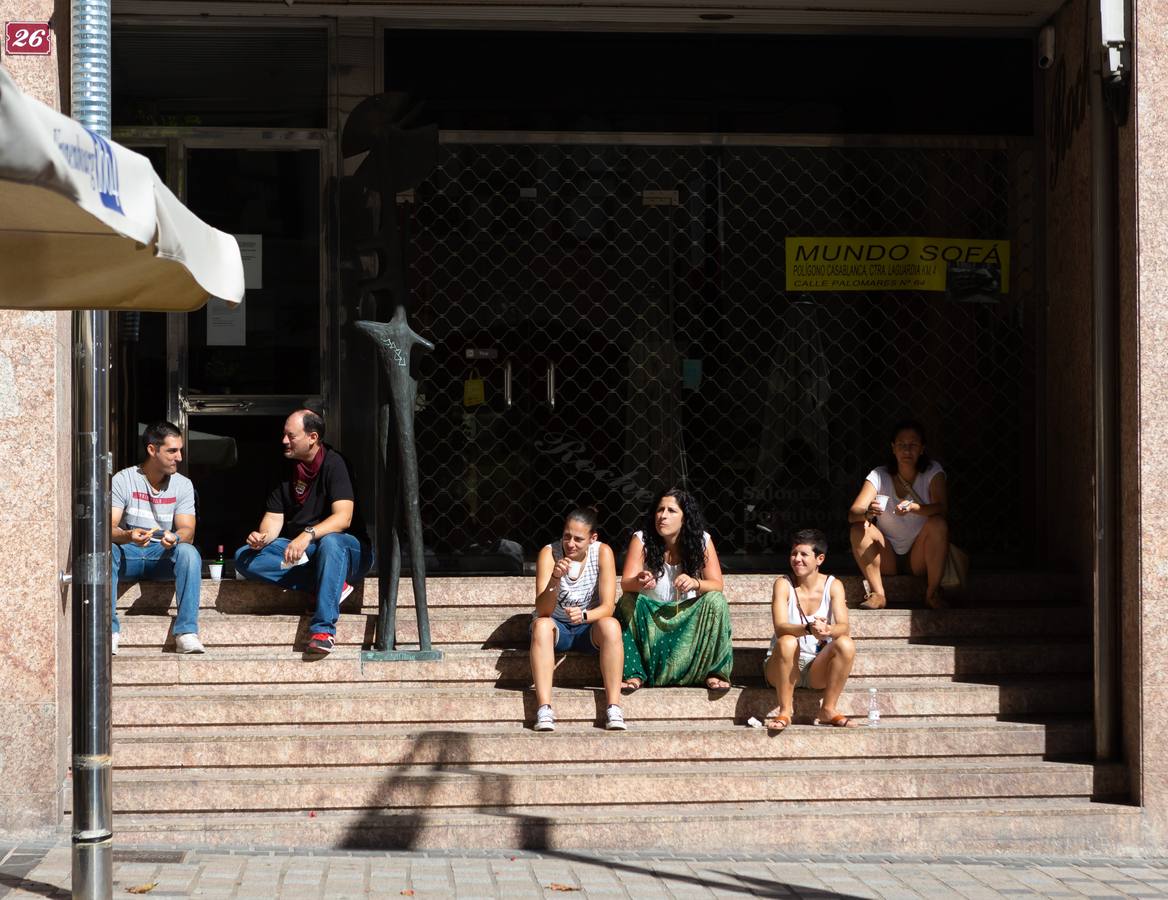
[575, 638]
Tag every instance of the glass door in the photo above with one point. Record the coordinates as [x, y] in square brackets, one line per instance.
[236, 373]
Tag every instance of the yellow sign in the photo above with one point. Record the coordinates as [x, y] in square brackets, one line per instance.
[891, 263]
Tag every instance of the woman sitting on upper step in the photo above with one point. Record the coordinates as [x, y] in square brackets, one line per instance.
[675, 619]
[575, 592]
[898, 518]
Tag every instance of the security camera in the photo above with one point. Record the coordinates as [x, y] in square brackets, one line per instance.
[1046, 47]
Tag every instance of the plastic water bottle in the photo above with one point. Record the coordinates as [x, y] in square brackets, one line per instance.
[873, 709]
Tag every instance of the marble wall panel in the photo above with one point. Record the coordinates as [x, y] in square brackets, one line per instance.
[1066, 402]
[34, 518]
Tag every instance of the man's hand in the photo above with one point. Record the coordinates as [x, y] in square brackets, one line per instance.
[169, 540]
[646, 581]
[296, 548]
[257, 540]
[141, 536]
[575, 614]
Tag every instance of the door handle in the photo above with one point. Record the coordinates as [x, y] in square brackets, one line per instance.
[551, 385]
[220, 405]
[507, 384]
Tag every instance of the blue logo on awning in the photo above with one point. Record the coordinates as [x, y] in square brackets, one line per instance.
[96, 161]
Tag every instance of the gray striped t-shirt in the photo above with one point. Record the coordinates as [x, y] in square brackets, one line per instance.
[144, 507]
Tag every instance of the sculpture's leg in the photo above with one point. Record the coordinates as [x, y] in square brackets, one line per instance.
[405, 393]
[388, 548]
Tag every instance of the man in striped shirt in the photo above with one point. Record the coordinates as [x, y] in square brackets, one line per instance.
[153, 511]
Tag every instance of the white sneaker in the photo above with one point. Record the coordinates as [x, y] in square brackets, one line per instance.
[545, 719]
[616, 719]
[114, 643]
[188, 643]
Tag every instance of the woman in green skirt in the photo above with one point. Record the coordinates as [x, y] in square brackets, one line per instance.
[674, 618]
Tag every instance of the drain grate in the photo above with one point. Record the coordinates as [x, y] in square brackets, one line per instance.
[150, 856]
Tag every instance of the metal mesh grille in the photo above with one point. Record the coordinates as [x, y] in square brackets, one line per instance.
[679, 358]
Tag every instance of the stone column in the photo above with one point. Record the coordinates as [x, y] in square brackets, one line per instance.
[34, 515]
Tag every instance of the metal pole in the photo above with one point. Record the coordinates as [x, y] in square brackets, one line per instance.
[92, 739]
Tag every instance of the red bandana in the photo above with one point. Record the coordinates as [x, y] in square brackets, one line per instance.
[306, 473]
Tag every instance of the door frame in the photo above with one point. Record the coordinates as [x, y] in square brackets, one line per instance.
[178, 141]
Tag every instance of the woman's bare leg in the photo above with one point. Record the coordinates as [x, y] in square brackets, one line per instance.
[543, 658]
[927, 556]
[782, 671]
[606, 636]
[830, 672]
[873, 556]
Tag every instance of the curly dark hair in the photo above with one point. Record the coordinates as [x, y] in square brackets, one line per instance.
[690, 542]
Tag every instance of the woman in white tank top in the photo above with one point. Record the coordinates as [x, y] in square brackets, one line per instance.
[812, 645]
[575, 593]
[674, 617]
[898, 518]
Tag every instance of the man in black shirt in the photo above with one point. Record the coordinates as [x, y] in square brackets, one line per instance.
[312, 537]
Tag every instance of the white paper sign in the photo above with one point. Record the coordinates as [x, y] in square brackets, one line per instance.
[251, 250]
[226, 324]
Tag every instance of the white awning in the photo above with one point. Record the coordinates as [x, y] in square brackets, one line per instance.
[86, 223]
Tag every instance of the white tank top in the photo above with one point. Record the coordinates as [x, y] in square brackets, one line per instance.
[664, 591]
[808, 643]
[583, 590]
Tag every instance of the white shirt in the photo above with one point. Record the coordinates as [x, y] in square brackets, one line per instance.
[664, 591]
[901, 531]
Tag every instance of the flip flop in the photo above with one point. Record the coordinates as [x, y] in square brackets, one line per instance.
[631, 684]
[839, 720]
[777, 723]
[869, 601]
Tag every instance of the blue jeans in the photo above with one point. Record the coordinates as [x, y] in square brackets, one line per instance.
[180, 564]
[333, 560]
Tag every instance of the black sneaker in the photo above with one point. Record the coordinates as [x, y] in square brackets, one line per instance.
[321, 643]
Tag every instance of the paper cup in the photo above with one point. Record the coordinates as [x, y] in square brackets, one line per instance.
[574, 569]
[216, 570]
[882, 501]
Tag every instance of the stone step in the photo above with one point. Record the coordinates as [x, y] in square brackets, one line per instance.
[502, 626]
[229, 704]
[1063, 827]
[891, 658]
[445, 744]
[990, 590]
[615, 783]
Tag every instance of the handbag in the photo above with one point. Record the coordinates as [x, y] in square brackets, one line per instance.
[956, 574]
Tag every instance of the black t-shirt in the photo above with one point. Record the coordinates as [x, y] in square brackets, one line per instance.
[334, 482]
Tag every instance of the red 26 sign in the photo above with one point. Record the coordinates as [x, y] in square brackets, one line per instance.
[27, 38]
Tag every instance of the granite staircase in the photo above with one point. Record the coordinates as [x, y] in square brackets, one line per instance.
[984, 743]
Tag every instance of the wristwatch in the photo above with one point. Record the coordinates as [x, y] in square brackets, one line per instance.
[311, 531]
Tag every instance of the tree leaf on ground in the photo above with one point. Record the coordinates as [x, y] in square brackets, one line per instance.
[556, 886]
[142, 888]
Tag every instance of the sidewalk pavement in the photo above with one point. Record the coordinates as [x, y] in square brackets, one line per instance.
[32, 870]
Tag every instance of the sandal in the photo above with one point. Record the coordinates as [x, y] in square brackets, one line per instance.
[717, 683]
[839, 720]
[870, 602]
[777, 723]
[935, 600]
[631, 684]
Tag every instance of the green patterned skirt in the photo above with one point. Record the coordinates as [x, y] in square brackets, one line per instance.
[676, 643]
